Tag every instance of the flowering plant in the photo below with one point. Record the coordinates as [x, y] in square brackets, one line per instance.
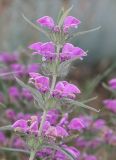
[47, 133]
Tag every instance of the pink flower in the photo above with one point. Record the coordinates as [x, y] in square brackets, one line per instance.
[20, 125]
[27, 126]
[2, 138]
[46, 50]
[65, 89]
[46, 21]
[72, 150]
[40, 82]
[76, 124]
[10, 114]
[99, 124]
[112, 83]
[71, 22]
[110, 104]
[54, 132]
[36, 47]
[69, 52]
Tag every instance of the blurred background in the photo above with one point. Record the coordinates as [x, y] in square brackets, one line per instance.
[15, 33]
[98, 67]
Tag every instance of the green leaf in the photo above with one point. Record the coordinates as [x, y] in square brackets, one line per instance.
[80, 104]
[35, 26]
[59, 148]
[93, 83]
[64, 67]
[85, 32]
[89, 100]
[5, 128]
[109, 89]
[14, 150]
[36, 94]
[2, 105]
[63, 16]
[60, 15]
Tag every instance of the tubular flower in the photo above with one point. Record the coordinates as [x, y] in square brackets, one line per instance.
[54, 132]
[110, 104]
[69, 22]
[46, 50]
[76, 124]
[65, 89]
[72, 150]
[46, 21]
[69, 52]
[112, 83]
[40, 82]
[27, 126]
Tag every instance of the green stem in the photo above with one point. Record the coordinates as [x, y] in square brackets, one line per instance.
[32, 155]
[51, 89]
[42, 122]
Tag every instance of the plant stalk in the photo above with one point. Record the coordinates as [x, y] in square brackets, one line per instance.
[32, 155]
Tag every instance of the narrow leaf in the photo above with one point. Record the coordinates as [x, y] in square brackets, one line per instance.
[2, 105]
[14, 150]
[59, 148]
[85, 32]
[93, 84]
[64, 67]
[80, 104]
[36, 94]
[109, 89]
[35, 26]
[89, 100]
[63, 16]
[5, 128]
[60, 15]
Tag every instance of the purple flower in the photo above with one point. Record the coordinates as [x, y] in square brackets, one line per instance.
[81, 142]
[10, 114]
[14, 93]
[19, 69]
[99, 124]
[27, 126]
[87, 120]
[112, 140]
[34, 67]
[20, 125]
[40, 82]
[18, 142]
[65, 89]
[54, 132]
[76, 124]
[1, 97]
[52, 116]
[46, 21]
[71, 22]
[112, 83]
[64, 120]
[8, 57]
[90, 157]
[69, 52]
[110, 104]
[2, 138]
[96, 142]
[45, 152]
[46, 50]
[72, 150]
[26, 94]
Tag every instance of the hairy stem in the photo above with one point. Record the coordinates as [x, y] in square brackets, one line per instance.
[42, 122]
[32, 155]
